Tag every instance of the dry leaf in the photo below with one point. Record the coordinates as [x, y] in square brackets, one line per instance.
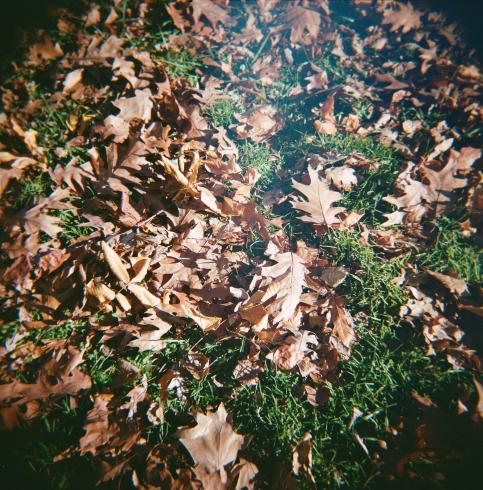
[319, 200]
[212, 443]
[115, 263]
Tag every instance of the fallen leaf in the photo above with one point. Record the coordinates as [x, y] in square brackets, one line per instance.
[319, 200]
[212, 443]
[115, 263]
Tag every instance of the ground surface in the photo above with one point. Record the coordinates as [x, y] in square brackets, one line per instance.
[240, 248]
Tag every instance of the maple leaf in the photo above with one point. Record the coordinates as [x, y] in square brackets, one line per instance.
[212, 443]
[318, 205]
[405, 18]
[299, 20]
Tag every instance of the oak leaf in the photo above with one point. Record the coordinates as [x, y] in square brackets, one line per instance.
[299, 20]
[343, 178]
[212, 443]
[405, 18]
[287, 279]
[319, 201]
[134, 108]
[212, 11]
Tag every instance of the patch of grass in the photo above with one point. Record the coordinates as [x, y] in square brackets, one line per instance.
[377, 379]
[348, 144]
[101, 366]
[376, 184]
[270, 409]
[335, 69]
[30, 189]
[279, 91]
[73, 226]
[371, 289]
[55, 124]
[180, 64]
[260, 158]
[429, 117]
[222, 110]
[451, 250]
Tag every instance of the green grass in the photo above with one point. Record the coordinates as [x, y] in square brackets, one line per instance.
[336, 71]
[451, 250]
[222, 110]
[30, 188]
[261, 158]
[370, 288]
[377, 379]
[387, 363]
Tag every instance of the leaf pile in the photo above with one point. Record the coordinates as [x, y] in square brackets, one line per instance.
[142, 233]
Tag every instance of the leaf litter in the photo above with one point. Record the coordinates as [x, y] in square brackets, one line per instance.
[165, 218]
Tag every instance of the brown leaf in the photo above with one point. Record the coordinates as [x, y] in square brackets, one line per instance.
[72, 80]
[140, 266]
[302, 459]
[452, 284]
[294, 350]
[212, 443]
[115, 263]
[299, 20]
[259, 124]
[342, 178]
[405, 18]
[211, 11]
[138, 107]
[318, 205]
[143, 295]
[44, 51]
[96, 426]
[287, 279]
[343, 334]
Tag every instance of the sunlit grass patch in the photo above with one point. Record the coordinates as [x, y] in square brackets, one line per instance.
[451, 250]
[371, 288]
[261, 158]
[222, 110]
